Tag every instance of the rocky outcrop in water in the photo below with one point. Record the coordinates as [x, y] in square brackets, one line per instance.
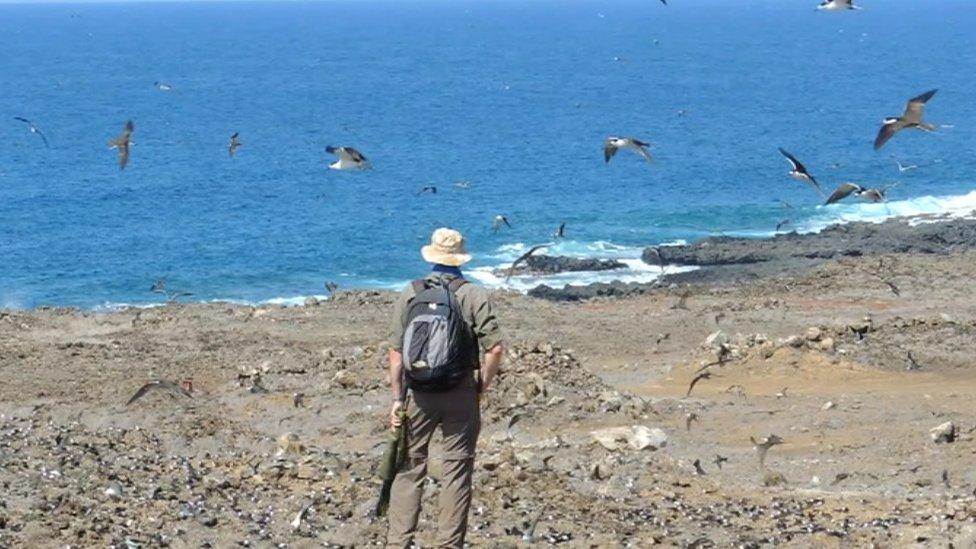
[548, 265]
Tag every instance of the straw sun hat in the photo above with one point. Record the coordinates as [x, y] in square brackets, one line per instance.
[446, 248]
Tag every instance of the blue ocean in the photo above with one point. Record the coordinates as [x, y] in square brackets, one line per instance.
[502, 105]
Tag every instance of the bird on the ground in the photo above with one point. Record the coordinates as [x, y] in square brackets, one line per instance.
[613, 144]
[682, 303]
[689, 418]
[521, 259]
[348, 159]
[837, 5]
[782, 393]
[175, 390]
[737, 390]
[763, 446]
[529, 534]
[659, 256]
[912, 118]
[427, 189]
[32, 128]
[843, 191]
[163, 86]
[912, 362]
[799, 172]
[298, 400]
[838, 478]
[122, 143]
[234, 143]
[703, 375]
[296, 522]
[698, 468]
[500, 220]
[560, 232]
[719, 460]
[783, 223]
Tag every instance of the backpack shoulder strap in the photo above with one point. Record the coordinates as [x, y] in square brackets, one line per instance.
[456, 284]
[419, 285]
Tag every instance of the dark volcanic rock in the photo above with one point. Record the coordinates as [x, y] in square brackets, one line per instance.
[597, 289]
[853, 239]
[546, 264]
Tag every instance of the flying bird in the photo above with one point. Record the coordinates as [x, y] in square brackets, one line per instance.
[912, 118]
[837, 5]
[698, 468]
[175, 390]
[613, 144]
[763, 446]
[903, 168]
[159, 287]
[560, 232]
[349, 159]
[874, 195]
[32, 128]
[782, 224]
[521, 259]
[499, 221]
[163, 86]
[122, 143]
[332, 288]
[234, 143]
[719, 460]
[427, 189]
[462, 184]
[799, 172]
[704, 375]
[843, 191]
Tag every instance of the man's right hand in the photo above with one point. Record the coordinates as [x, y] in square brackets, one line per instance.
[395, 419]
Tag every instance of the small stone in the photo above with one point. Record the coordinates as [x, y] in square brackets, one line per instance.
[773, 478]
[345, 379]
[114, 490]
[794, 341]
[828, 345]
[311, 302]
[813, 333]
[829, 405]
[289, 443]
[637, 437]
[556, 400]
[208, 520]
[945, 433]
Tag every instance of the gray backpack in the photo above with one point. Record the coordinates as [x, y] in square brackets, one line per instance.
[439, 349]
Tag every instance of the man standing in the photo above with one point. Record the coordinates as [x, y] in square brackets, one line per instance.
[445, 377]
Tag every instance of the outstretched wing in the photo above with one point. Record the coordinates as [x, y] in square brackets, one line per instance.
[913, 111]
[842, 192]
[887, 131]
[797, 166]
[521, 259]
[609, 149]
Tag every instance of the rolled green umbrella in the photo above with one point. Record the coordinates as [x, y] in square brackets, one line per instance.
[393, 459]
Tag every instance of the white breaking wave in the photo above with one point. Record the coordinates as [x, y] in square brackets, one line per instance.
[924, 209]
[635, 271]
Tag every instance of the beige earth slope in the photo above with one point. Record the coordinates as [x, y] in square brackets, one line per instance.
[819, 359]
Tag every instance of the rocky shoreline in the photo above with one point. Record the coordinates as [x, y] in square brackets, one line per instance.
[723, 260]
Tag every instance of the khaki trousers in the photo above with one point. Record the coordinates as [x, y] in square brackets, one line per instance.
[457, 414]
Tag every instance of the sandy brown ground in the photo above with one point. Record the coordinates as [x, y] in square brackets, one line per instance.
[211, 469]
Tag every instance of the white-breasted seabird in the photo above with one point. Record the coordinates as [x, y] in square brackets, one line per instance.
[499, 221]
[560, 232]
[613, 144]
[122, 143]
[912, 118]
[799, 171]
[837, 5]
[163, 86]
[31, 127]
[349, 159]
